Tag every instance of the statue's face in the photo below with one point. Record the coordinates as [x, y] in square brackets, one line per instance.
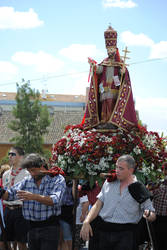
[111, 52]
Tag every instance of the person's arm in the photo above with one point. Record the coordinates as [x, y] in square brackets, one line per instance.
[3, 194]
[85, 206]
[86, 228]
[54, 197]
[25, 195]
[149, 211]
[10, 193]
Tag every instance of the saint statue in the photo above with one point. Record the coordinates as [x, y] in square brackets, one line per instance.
[110, 100]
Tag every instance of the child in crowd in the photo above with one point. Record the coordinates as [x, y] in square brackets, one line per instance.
[81, 212]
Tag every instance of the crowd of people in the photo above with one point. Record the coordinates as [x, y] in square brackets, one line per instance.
[39, 208]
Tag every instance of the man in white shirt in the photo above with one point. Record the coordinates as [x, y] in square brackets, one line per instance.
[120, 206]
[16, 225]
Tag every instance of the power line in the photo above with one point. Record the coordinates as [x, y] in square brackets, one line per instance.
[82, 72]
[149, 60]
[48, 77]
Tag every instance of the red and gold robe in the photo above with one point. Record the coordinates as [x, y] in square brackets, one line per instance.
[122, 112]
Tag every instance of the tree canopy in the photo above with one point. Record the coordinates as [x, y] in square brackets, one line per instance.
[31, 119]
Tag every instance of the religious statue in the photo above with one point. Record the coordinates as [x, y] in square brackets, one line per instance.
[110, 100]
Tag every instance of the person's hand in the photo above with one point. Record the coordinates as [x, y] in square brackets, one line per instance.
[25, 195]
[86, 231]
[148, 215]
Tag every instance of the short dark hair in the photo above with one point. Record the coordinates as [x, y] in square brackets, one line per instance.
[129, 160]
[19, 150]
[34, 160]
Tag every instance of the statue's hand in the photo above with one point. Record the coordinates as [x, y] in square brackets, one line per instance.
[92, 67]
[91, 61]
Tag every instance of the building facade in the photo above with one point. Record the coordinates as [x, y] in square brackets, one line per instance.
[64, 110]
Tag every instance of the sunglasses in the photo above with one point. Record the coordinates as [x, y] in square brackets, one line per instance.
[12, 154]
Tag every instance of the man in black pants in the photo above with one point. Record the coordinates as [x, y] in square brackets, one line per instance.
[160, 204]
[41, 195]
[120, 206]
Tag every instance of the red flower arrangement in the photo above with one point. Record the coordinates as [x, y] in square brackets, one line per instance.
[87, 153]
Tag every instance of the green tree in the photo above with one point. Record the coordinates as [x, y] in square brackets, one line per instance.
[31, 119]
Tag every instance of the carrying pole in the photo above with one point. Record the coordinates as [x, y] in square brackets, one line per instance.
[150, 235]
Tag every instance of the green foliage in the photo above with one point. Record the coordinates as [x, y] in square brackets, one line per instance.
[47, 154]
[4, 160]
[32, 119]
[140, 176]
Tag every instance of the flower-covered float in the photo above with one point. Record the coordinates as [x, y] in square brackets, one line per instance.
[86, 153]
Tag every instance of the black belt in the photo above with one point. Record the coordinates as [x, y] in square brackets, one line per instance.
[12, 207]
[112, 227]
[51, 221]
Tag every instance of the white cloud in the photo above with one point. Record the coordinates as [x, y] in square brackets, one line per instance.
[159, 50]
[119, 3]
[151, 103]
[153, 113]
[42, 61]
[80, 53]
[80, 82]
[8, 68]
[11, 19]
[137, 40]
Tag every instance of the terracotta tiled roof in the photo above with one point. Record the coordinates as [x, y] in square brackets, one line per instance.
[48, 97]
[55, 131]
[5, 133]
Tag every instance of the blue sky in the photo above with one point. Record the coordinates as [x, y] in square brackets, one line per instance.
[48, 43]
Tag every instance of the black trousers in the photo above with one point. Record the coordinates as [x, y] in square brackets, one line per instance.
[105, 238]
[94, 241]
[116, 240]
[160, 228]
[44, 238]
[16, 226]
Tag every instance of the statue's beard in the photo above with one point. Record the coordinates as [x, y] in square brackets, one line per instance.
[112, 55]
